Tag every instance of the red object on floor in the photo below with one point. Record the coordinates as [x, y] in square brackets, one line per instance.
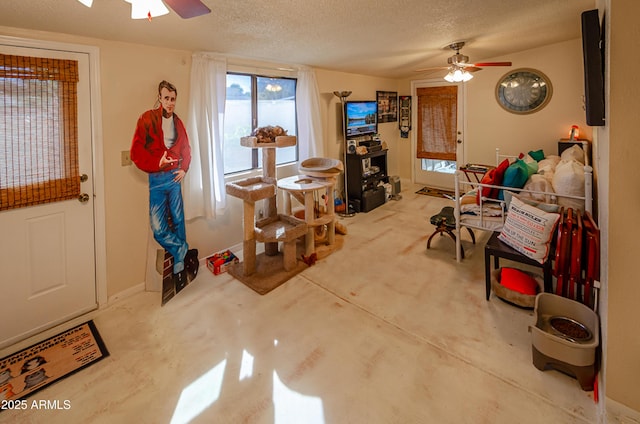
[518, 281]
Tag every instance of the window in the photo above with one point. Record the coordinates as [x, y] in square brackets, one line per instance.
[437, 165]
[256, 101]
[38, 131]
[437, 139]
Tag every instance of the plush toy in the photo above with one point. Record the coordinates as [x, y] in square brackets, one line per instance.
[361, 150]
[310, 260]
[268, 134]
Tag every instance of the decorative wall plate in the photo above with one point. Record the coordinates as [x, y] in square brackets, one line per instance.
[523, 91]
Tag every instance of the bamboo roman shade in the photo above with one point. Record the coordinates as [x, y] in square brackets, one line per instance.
[38, 131]
[437, 110]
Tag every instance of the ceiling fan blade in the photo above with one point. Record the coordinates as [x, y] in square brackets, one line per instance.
[188, 8]
[472, 68]
[490, 64]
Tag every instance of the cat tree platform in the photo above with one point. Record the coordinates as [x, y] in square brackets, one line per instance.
[285, 229]
[303, 187]
[252, 189]
[280, 141]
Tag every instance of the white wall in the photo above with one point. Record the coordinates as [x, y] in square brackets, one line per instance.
[623, 150]
[490, 125]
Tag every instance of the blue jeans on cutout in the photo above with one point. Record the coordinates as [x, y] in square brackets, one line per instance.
[165, 201]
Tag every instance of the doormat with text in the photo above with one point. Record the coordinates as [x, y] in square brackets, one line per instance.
[436, 192]
[29, 370]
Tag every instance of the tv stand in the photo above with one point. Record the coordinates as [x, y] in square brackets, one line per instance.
[364, 175]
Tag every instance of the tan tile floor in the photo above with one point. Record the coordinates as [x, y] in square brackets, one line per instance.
[382, 331]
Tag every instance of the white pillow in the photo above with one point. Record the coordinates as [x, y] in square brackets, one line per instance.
[547, 166]
[538, 182]
[574, 152]
[569, 180]
[529, 230]
[545, 206]
[549, 161]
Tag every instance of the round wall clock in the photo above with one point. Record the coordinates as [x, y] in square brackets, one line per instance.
[523, 91]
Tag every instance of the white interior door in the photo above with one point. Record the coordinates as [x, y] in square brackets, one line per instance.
[47, 255]
[437, 172]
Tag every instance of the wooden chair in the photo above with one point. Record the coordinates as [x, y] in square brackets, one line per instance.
[445, 223]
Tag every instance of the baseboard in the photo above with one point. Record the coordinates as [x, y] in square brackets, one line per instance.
[619, 413]
[138, 288]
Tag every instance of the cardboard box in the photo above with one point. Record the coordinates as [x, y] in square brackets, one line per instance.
[220, 262]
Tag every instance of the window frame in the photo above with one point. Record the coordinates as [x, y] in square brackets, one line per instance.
[255, 155]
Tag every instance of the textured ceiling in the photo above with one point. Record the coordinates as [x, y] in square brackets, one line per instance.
[381, 38]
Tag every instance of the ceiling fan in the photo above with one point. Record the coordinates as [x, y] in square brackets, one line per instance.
[459, 66]
[147, 9]
[188, 8]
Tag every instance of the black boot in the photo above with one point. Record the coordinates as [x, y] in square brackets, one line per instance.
[191, 264]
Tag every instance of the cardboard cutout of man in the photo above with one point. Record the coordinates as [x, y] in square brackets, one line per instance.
[160, 147]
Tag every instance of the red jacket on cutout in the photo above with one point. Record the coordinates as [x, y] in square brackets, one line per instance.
[148, 146]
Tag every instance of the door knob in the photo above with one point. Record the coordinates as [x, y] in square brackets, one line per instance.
[83, 198]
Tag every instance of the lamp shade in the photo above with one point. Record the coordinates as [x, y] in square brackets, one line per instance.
[147, 9]
[458, 75]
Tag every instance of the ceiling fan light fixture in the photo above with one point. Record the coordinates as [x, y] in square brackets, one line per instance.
[147, 9]
[458, 75]
[449, 77]
[466, 76]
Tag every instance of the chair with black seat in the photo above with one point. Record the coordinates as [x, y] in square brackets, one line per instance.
[445, 223]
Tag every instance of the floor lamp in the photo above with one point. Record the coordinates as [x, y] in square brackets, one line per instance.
[342, 95]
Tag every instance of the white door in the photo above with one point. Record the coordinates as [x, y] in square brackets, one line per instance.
[437, 171]
[47, 253]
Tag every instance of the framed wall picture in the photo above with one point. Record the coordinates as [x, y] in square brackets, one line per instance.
[404, 121]
[387, 106]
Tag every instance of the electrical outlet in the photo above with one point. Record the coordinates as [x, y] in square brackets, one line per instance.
[125, 158]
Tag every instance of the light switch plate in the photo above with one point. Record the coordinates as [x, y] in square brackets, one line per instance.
[125, 158]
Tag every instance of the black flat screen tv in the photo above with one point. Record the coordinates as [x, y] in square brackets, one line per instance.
[593, 57]
[361, 118]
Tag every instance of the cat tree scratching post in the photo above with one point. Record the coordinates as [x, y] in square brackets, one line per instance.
[270, 230]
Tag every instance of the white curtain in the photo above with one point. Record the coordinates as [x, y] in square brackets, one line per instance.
[310, 138]
[204, 191]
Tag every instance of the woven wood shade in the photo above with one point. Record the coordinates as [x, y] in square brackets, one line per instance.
[38, 131]
[438, 111]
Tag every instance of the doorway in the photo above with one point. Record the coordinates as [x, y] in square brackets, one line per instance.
[51, 271]
[438, 146]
